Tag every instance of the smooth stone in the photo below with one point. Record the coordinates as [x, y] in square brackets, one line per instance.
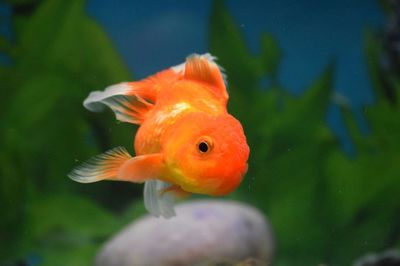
[388, 257]
[204, 232]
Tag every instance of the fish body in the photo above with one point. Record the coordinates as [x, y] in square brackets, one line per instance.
[187, 142]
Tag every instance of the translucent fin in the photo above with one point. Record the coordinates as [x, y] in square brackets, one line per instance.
[125, 99]
[131, 101]
[181, 67]
[157, 203]
[100, 167]
[213, 59]
[142, 168]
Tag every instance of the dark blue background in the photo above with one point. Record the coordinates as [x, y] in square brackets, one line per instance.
[152, 35]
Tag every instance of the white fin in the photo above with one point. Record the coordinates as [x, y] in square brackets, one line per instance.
[158, 204]
[95, 101]
[212, 58]
[209, 57]
[100, 167]
[127, 105]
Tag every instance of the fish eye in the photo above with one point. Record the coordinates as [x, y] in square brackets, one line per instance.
[204, 145]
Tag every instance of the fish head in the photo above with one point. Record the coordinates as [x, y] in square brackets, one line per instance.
[207, 154]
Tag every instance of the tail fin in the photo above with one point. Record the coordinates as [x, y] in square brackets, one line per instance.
[100, 167]
[131, 101]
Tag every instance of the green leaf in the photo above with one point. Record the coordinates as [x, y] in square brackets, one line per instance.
[67, 229]
[288, 139]
[227, 43]
[70, 214]
[59, 56]
[71, 41]
[381, 79]
[270, 54]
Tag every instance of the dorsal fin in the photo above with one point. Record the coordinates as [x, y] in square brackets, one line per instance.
[203, 68]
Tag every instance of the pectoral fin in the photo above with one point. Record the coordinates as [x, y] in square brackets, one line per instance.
[101, 167]
[117, 164]
[141, 168]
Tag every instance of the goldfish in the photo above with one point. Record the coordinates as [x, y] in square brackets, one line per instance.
[186, 143]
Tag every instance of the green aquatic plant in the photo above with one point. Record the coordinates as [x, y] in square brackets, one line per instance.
[56, 57]
[366, 188]
[288, 138]
[325, 206]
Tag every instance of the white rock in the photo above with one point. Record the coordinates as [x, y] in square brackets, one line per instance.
[204, 232]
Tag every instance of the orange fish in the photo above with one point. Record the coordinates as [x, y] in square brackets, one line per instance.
[187, 142]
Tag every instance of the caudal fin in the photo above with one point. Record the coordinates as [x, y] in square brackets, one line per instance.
[128, 100]
[131, 101]
[100, 167]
